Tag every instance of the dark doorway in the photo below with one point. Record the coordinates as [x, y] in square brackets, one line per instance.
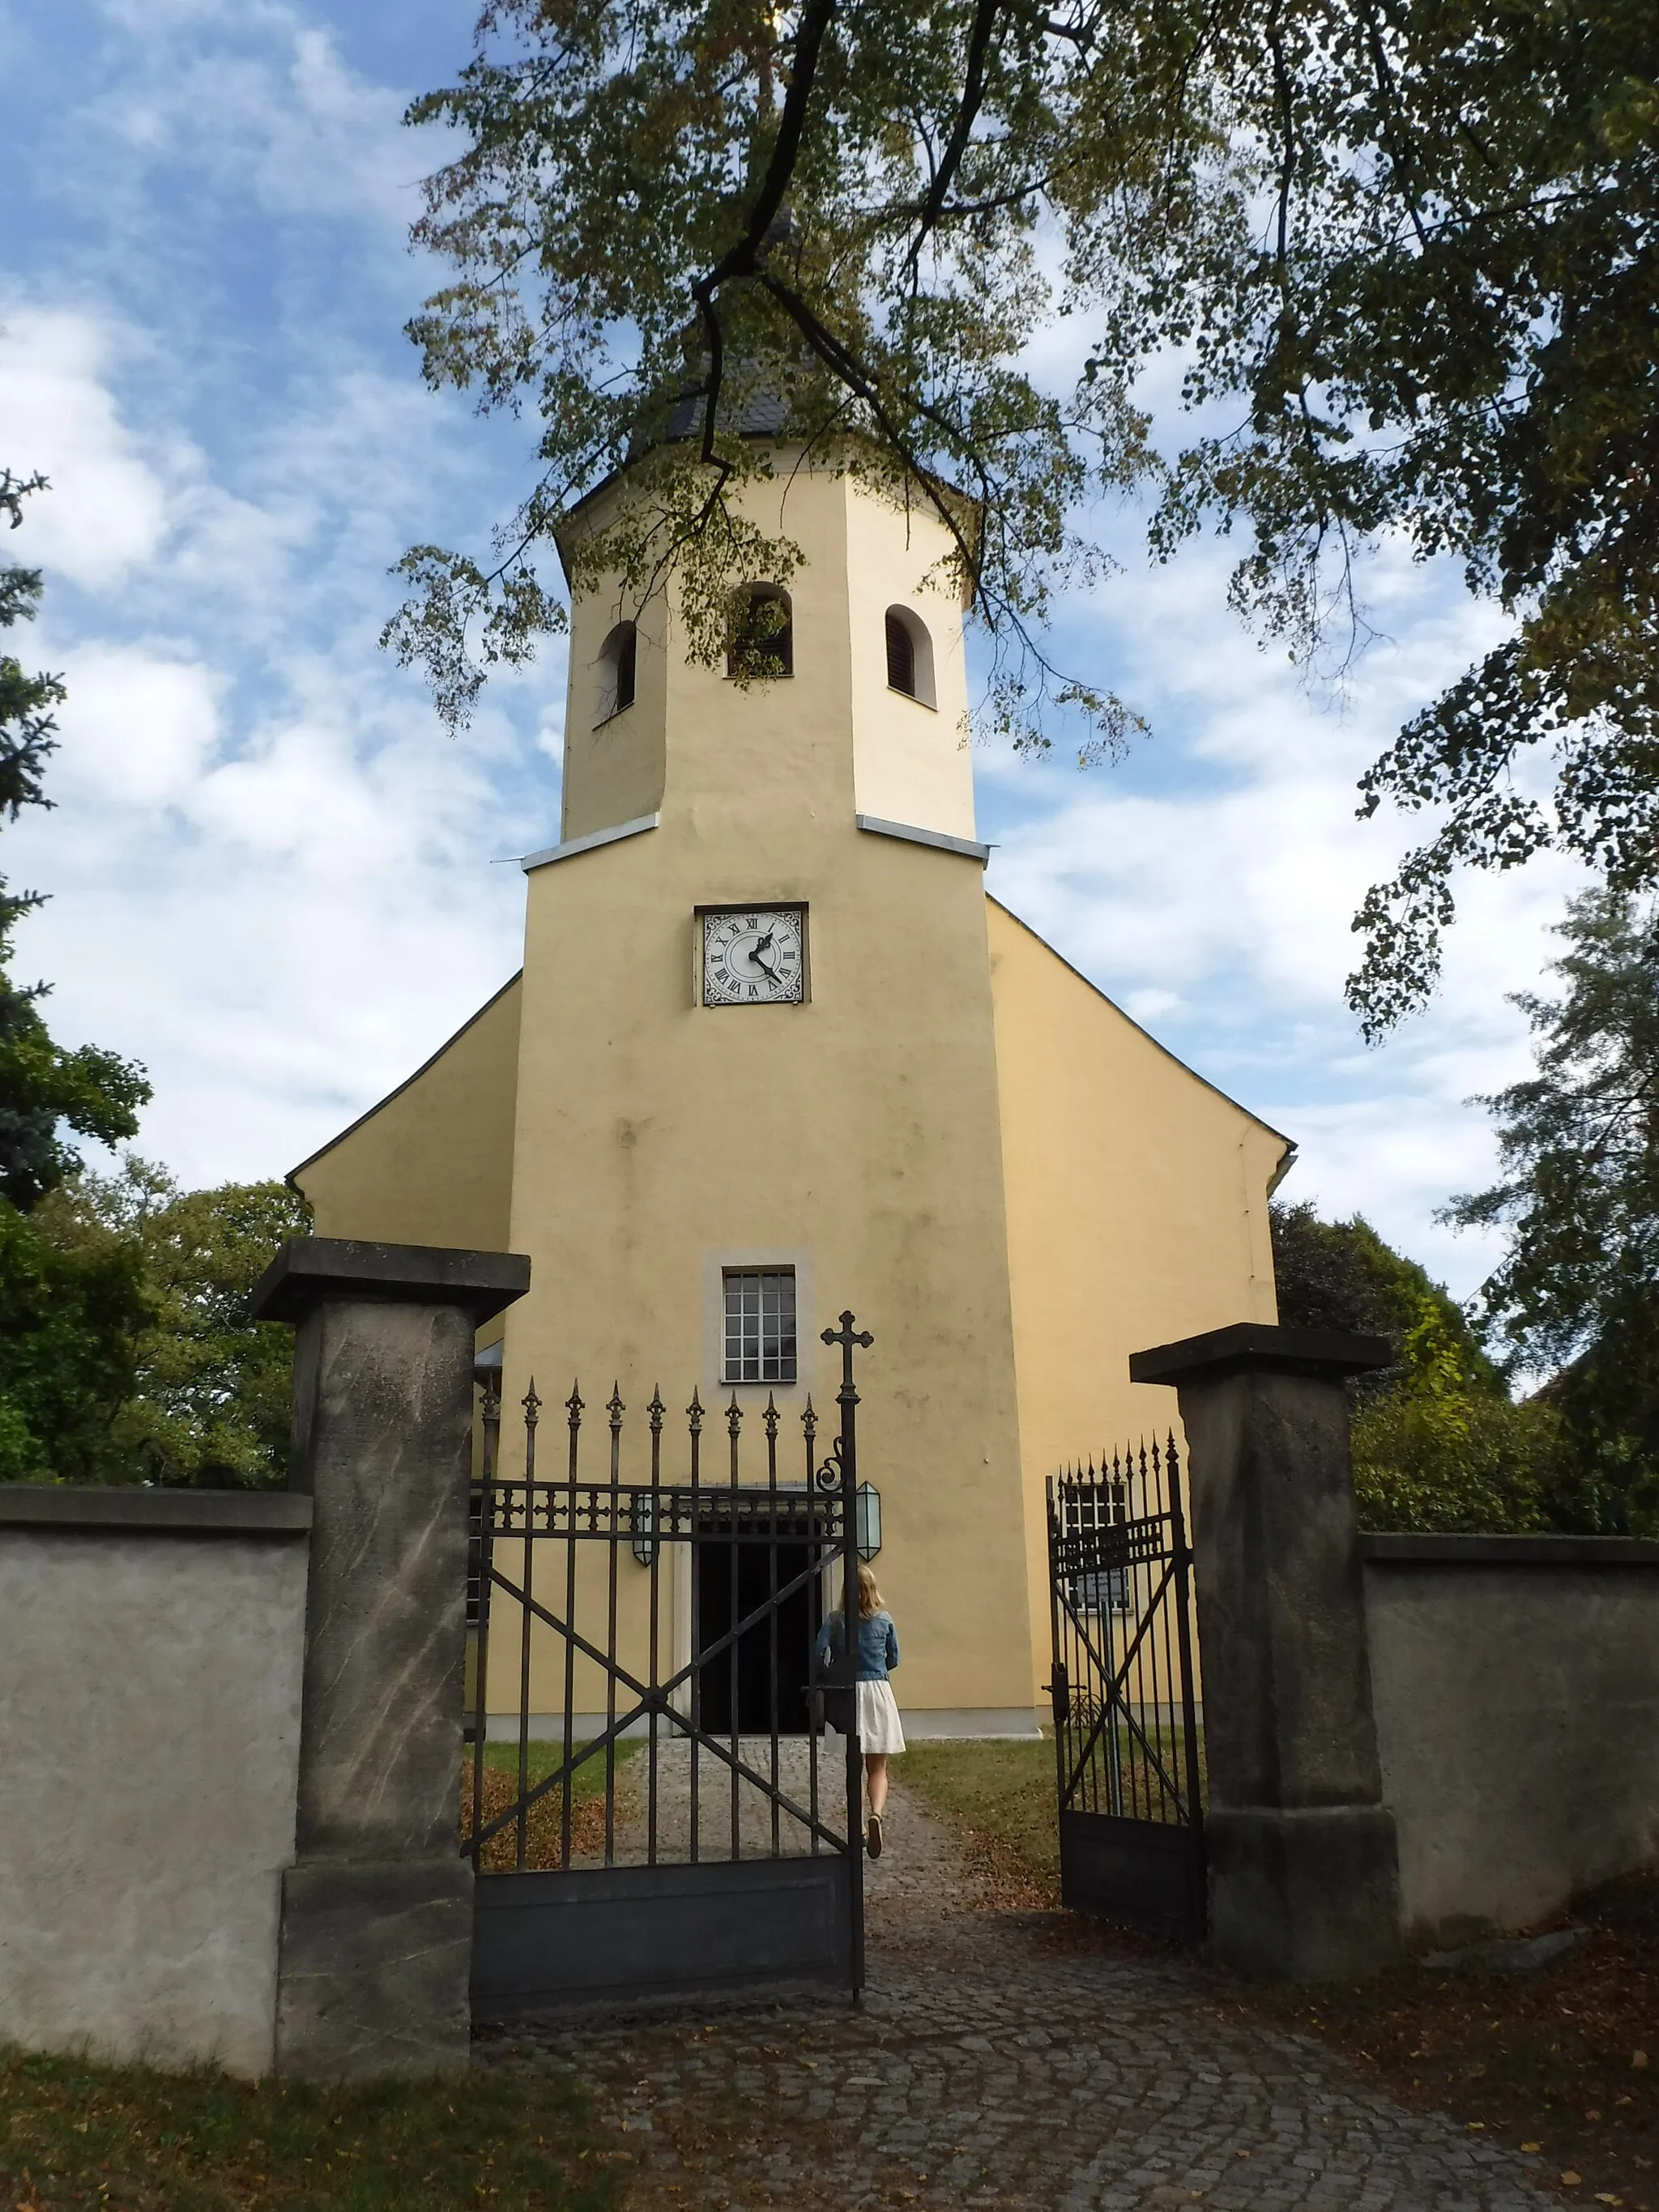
[769, 1666]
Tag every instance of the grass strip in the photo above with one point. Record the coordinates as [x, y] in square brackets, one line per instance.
[131, 2139]
[544, 1823]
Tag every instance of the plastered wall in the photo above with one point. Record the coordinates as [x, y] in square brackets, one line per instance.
[150, 1721]
[1137, 1199]
[1516, 1683]
[432, 1164]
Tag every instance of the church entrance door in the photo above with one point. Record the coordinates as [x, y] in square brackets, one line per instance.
[764, 1668]
[646, 1802]
[1128, 1743]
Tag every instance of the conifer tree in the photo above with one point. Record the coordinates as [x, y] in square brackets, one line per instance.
[45, 1088]
[1577, 1289]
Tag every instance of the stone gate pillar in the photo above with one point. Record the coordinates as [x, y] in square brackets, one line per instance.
[1303, 1874]
[376, 1942]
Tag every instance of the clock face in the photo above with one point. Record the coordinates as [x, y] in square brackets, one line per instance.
[754, 956]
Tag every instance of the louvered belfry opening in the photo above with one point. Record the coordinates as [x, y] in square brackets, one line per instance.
[764, 644]
[618, 656]
[627, 645]
[900, 656]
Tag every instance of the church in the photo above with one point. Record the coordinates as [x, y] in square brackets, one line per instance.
[774, 1052]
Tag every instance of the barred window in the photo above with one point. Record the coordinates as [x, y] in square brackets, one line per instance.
[760, 1325]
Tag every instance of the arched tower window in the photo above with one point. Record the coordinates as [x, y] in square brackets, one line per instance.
[901, 655]
[618, 657]
[909, 656]
[763, 634]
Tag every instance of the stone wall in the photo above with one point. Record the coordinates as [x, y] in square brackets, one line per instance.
[150, 1731]
[1515, 1681]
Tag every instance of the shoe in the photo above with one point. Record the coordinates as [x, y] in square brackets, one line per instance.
[873, 1836]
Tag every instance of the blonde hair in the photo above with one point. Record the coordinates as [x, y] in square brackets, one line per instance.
[870, 1601]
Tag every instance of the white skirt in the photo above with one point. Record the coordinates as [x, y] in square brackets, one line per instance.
[878, 1719]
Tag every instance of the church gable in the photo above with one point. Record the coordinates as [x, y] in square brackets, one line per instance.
[1137, 1196]
[432, 1164]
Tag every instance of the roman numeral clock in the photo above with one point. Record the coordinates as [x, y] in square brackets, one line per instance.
[753, 956]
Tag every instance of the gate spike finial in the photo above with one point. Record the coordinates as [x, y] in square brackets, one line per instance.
[694, 1414]
[656, 1410]
[809, 1420]
[614, 1405]
[734, 1415]
[574, 1405]
[532, 1405]
[770, 1418]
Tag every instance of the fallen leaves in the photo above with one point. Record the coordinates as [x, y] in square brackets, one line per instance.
[1561, 2059]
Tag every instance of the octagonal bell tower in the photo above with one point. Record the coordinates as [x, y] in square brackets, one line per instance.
[833, 1123]
[875, 638]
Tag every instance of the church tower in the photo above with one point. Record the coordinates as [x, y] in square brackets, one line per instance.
[757, 1070]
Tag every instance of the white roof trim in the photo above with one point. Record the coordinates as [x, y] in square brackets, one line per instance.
[965, 846]
[574, 845]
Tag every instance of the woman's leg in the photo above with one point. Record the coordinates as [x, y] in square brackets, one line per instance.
[875, 1768]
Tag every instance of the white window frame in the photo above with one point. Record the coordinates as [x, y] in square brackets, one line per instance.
[746, 1348]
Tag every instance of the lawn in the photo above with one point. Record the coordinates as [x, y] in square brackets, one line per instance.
[545, 1822]
[1564, 2063]
[999, 1799]
[125, 2139]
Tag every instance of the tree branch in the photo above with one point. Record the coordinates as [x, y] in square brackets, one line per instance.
[973, 93]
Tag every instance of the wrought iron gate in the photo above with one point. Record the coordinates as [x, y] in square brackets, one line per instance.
[650, 1802]
[1127, 1746]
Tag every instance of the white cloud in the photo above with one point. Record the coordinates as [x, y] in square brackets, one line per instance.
[108, 509]
[1209, 883]
[136, 731]
[269, 866]
[260, 99]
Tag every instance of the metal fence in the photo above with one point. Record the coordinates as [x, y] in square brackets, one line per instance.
[1127, 1746]
[646, 1705]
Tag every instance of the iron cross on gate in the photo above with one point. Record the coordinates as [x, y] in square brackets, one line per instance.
[847, 1336]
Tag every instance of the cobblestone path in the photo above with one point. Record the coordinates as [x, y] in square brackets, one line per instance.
[1011, 2062]
[799, 1760]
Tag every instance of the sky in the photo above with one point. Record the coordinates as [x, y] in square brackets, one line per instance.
[279, 883]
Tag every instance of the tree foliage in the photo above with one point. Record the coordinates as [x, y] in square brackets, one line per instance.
[1578, 1198]
[44, 1089]
[126, 1353]
[72, 1311]
[1438, 1443]
[1342, 1275]
[1404, 255]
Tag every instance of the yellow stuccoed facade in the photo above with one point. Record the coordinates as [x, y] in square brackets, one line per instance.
[954, 1135]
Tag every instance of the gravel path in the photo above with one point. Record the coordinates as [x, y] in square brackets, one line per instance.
[1021, 2062]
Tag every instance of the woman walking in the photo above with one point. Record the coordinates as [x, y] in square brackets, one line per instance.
[875, 1715]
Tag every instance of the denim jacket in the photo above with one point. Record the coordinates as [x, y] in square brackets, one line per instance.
[878, 1644]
